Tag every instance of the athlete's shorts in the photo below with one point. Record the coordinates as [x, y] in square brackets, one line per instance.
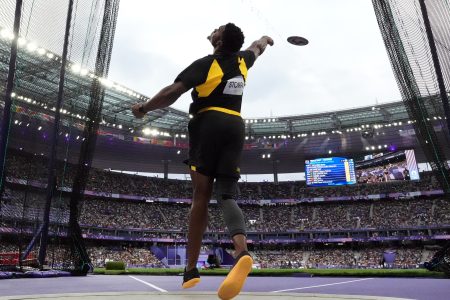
[216, 140]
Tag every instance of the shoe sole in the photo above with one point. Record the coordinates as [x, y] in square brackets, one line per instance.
[235, 280]
[190, 283]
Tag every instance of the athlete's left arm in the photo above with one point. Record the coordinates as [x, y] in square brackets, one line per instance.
[166, 97]
[260, 45]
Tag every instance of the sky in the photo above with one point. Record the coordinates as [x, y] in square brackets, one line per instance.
[345, 64]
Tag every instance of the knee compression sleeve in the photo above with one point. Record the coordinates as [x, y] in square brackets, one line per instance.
[232, 214]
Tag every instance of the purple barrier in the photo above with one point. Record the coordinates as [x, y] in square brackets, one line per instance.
[6, 275]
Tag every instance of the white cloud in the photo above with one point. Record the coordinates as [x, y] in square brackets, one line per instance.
[344, 66]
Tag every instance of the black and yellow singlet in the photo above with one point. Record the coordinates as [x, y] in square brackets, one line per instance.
[217, 82]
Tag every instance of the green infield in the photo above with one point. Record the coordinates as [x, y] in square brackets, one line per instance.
[288, 272]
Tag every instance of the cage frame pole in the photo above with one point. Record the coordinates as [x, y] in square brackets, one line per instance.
[51, 181]
[6, 120]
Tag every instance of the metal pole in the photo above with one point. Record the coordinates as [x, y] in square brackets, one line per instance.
[8, 99]
[51, 182]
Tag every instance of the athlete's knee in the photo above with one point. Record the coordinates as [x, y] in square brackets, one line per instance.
[225, 189]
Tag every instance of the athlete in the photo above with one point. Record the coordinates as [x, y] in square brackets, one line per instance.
[216, 139]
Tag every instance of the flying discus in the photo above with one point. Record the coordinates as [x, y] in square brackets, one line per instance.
[297, 40]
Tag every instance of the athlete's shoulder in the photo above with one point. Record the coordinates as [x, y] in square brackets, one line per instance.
[204, 59]
[247, 53]
[249, 57]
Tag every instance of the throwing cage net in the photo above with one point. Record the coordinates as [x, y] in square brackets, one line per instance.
[417, 38]
[53, 56]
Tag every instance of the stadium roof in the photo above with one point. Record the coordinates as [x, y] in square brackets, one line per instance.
[37, 84]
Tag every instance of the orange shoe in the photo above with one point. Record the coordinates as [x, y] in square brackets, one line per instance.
[235, 279]
[190, 278]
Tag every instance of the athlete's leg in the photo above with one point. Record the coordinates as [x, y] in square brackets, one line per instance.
[225, 190]
[234, 219]
[198, 220]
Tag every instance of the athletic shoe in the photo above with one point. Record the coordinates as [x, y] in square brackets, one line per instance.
[235, 279]
[190, 278]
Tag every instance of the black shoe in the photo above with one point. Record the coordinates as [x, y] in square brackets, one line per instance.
[190, 278]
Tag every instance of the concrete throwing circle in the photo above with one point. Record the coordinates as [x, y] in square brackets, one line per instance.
[201, 296]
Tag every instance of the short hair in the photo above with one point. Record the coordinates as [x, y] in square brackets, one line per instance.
[232, 38]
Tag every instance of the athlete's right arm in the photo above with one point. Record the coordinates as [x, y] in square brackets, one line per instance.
[166, 97]
[260, 45]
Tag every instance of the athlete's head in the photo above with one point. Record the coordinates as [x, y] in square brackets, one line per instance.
[227, 38]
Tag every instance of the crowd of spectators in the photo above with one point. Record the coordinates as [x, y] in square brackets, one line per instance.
[125, 214]
[343, 258]
[133, 257]
[34, 167]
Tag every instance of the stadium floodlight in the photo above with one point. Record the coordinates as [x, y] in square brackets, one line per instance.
[190, 116]
[329, 151]
[183, 136]
[76, 68]
[273, 120]
[31, 46]
[263, 156]
[41, 51]
[179, 152]
[6, 34]
[106, 82]
[268, 155]
[21, 41]
[246, 121]
[28, 125]
[119, 126]
[13, 94]
[246, 138]
[146, 131]
[50, 55]
[373, 147]
[39, 128]
[16, 121]
[84, 72]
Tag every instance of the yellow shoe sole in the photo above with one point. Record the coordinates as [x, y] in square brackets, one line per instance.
[191, 283]
[235, 280]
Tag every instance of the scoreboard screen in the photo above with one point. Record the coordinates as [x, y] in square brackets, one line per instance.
[331, 171]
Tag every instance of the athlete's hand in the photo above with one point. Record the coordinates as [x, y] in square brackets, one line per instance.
[269, 40]
[135, 110]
